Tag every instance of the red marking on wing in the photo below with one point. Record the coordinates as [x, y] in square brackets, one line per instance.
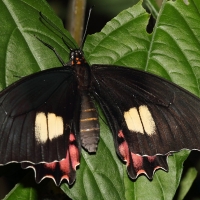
[123, 148]
[71, 137]
[50, 165]
[58, 170]
[138, 164]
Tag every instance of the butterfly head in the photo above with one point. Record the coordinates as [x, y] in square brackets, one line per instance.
[77, 57]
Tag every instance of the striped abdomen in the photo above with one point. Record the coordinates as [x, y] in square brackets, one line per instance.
[89, 124]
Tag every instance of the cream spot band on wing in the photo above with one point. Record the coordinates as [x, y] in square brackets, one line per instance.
[133, 120]
[147, 120]
[50, 126]
[140, 120]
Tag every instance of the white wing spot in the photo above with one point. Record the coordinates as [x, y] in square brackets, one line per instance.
[50, 126]
[41, 133]
[147, 120]
[140, 120]
[133, 120]
[55, 125]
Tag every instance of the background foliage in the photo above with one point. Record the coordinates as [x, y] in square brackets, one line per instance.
[170, 51]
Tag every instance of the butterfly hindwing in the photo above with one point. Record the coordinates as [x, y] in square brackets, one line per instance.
[59, 170]
[149, 116]
[38, 119]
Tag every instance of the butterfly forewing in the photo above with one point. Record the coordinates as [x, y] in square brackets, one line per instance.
[36, 117]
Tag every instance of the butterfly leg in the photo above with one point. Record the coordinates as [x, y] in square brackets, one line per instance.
[53, 49]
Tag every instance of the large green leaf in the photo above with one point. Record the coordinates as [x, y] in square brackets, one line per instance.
[25, 190]
[21, 53]
[171, 51]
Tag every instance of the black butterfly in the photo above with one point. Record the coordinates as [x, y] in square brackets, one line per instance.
[46, 117]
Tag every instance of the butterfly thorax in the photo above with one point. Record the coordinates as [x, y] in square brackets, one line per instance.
[81, 68]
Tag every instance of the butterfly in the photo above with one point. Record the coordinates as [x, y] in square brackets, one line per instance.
[46, 117]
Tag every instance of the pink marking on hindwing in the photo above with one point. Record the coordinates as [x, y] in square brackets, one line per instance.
[123, 148]
[138, 164]
[59, 170]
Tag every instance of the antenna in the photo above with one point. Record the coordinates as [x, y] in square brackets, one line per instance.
[55, 27]
[84, 35]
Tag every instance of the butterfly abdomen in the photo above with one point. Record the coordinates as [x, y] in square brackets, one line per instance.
[89, 123]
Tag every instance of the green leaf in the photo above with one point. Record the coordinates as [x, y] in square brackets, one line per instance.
[21, 53]
[171, 51]
[186, 182]
[153, 7]
[26, 190]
